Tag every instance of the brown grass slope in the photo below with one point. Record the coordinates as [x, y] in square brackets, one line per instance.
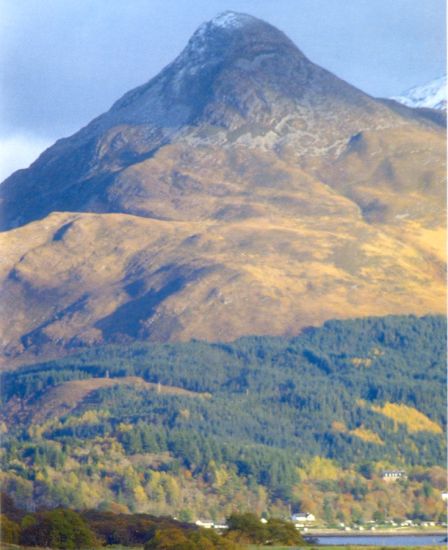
[64, 398]
[245, 192]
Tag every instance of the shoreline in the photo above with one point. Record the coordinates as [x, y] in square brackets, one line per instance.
[381, 533]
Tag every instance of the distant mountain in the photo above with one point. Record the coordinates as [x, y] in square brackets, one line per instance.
[243, 190]
[431, 95]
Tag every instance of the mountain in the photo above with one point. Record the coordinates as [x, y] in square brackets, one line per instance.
[243, 190]
[431, 95]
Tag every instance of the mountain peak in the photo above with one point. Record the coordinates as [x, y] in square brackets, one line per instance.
[231, 33]
[230, 57]
[230, 21]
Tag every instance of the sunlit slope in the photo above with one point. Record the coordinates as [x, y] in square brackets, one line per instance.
[67, 397]
[80, 279]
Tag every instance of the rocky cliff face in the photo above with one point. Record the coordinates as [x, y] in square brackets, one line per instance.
[242, 190]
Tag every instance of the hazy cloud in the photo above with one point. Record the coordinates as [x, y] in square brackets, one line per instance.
[19, 151]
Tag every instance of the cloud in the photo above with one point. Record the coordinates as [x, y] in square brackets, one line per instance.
[19, 151]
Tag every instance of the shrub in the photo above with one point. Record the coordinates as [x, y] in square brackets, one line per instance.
[177, 539]
[57, 529]
[9, 530]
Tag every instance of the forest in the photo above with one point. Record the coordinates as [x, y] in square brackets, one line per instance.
[267, 424]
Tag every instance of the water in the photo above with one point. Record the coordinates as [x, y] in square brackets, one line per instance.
[384, 540]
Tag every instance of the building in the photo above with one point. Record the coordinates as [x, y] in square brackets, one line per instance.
[303, 517]
[393, 475]
[206, 524]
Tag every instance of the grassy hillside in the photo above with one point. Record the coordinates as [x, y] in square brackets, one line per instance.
[262, 423]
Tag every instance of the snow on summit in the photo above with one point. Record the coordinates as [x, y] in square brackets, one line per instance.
[431, 95]
[230, 19]
[227, 20]
[199, 44]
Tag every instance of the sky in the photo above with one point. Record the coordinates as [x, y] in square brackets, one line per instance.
[66, 61]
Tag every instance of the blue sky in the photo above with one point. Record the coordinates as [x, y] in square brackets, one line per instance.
[66, 61]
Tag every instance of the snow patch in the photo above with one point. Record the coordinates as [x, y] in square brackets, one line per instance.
[431, 95]
[230, 20]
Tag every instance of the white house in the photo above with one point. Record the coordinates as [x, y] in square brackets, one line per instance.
[303, 517]
[206, 524]
[393, 475]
